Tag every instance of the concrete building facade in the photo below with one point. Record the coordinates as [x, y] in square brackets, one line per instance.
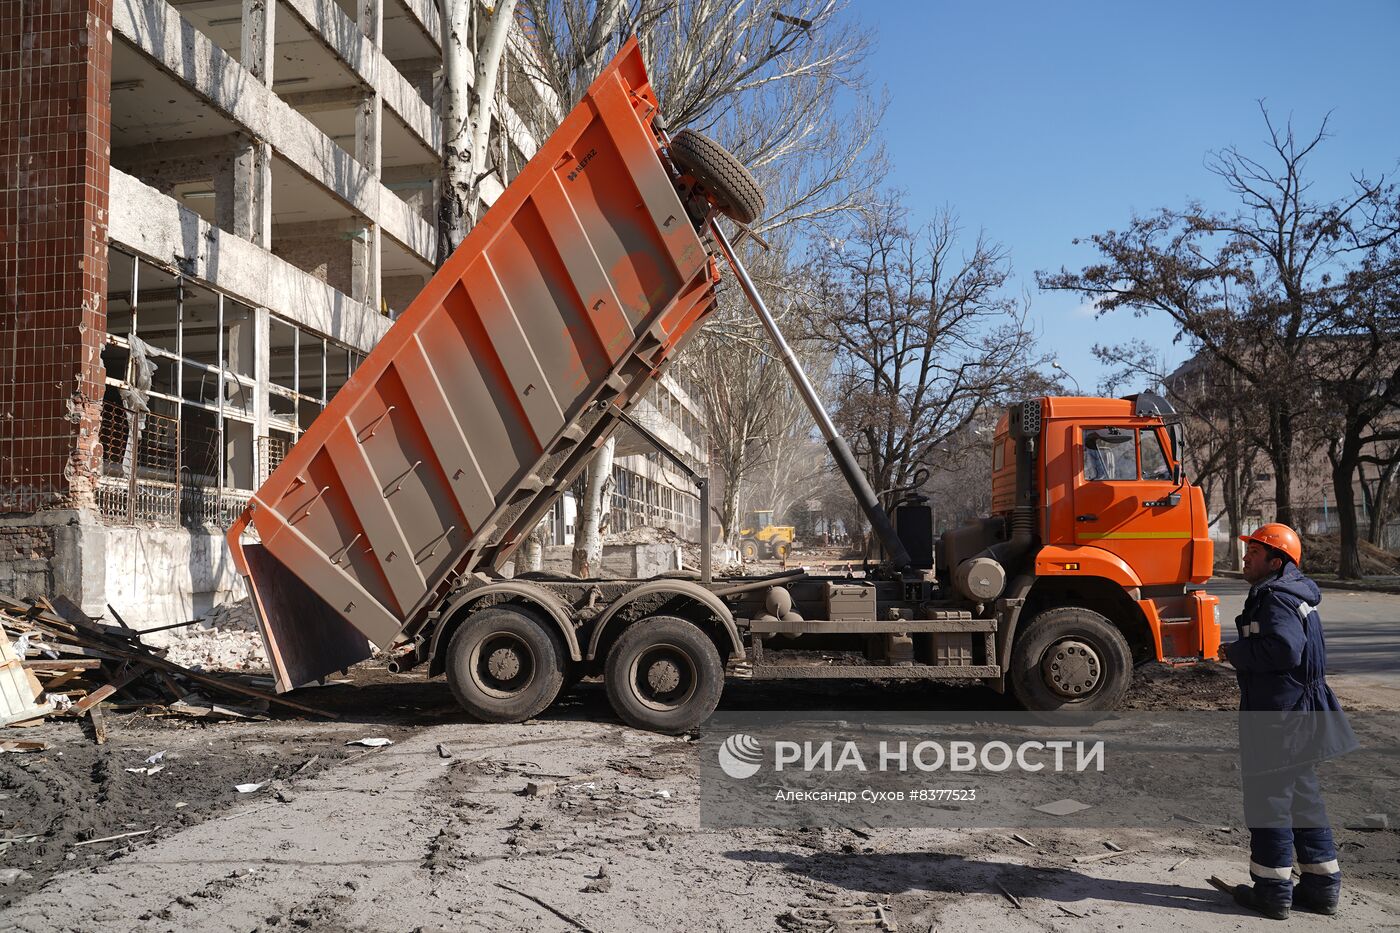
[212, 210]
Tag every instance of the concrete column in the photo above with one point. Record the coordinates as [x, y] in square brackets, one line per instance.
[258, 37]
[369, 121]
[262, 371]
[252, 192]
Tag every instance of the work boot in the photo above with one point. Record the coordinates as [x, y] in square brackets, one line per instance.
[1317, 898]
[1266, 902]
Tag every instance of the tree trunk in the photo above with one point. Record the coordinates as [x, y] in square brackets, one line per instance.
[532, 550]
[470, 69]
[1281, 456]
[1380, 503]
[597, 496]
[1343, 471]
[729, 507]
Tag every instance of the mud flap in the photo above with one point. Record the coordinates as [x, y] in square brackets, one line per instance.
[305, 639]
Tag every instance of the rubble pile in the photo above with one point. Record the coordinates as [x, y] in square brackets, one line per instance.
[225, 638]
[72, 665]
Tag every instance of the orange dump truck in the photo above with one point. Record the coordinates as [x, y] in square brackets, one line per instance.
[388, 524]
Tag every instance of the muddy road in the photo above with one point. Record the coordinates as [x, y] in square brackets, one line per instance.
[438, 831]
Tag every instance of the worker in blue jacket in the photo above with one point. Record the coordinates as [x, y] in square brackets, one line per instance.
[1290, 720]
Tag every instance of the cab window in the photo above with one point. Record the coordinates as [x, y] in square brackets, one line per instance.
[1110, 454]
[1154, 460]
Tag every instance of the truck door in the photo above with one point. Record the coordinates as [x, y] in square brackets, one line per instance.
[1126, 502]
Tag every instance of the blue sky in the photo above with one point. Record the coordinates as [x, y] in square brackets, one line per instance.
[1043, 121]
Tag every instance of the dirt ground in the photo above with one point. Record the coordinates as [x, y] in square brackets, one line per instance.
[435, 832]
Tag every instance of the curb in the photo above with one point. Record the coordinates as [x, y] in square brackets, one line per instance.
[1357, 586]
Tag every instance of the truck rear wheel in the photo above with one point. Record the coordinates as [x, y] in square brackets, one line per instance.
[664, 674]
[724, 177]
[1072, 659]
[506, 664]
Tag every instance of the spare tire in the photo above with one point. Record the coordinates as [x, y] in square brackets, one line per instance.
[724, 178]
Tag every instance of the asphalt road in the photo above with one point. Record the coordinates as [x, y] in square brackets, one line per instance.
[1363, 639]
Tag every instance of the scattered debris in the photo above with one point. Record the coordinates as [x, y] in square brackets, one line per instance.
[1179, 864]
[11, 875]
[1371, 822]
[88, 663]
[1023, 840]
[1221, 884]
[371, 742]
[443, 750]
[1062, 807]
[22, 746]
[599, 883]
[1073, 913]
[93, 842]
[549, 907]
[1113, 845]
[249, 788]
[1086, 859]
[539, 789]
[1015, 901]
[829, 918]
[153, 769]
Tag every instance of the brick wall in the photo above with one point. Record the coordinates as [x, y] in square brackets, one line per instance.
[55, 111]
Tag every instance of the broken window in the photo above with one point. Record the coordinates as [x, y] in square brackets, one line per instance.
[337, 368]
[158, 308]
[240, 326]
[238, 454]
[311, 352]
[199, 324]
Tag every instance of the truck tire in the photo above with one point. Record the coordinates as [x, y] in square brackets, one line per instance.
[723, 177]
[780, 548]
[1071, 659]
[506, 664]
[664, 674]
[748, 549]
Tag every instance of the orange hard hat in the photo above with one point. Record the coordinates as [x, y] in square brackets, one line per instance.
[1280, 538]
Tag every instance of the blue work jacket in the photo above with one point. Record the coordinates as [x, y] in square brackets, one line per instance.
[1280, 660]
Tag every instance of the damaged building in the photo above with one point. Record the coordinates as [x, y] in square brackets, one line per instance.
[212, 211]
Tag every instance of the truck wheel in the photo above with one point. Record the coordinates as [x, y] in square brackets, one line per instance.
[506, 664]
[1071, 659]
[723, 177]
[781, 550]
[664, 674]
[748, 549]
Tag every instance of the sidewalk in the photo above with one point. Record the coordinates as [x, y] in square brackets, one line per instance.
[1377, 584]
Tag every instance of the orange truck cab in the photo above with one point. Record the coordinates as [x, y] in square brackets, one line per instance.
[1119, 528]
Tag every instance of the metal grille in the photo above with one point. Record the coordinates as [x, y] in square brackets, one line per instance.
[143, 479]
[271, 451]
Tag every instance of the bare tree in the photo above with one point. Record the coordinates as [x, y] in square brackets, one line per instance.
[1244, 284]
[471, 57]
[1358, 372]
[764, 78]
[924, 336]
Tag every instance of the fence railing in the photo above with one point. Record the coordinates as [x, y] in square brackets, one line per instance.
[143, 479]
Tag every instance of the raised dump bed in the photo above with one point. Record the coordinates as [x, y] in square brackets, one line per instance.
[490, 393]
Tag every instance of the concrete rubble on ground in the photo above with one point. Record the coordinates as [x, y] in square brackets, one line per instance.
[225, 638]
